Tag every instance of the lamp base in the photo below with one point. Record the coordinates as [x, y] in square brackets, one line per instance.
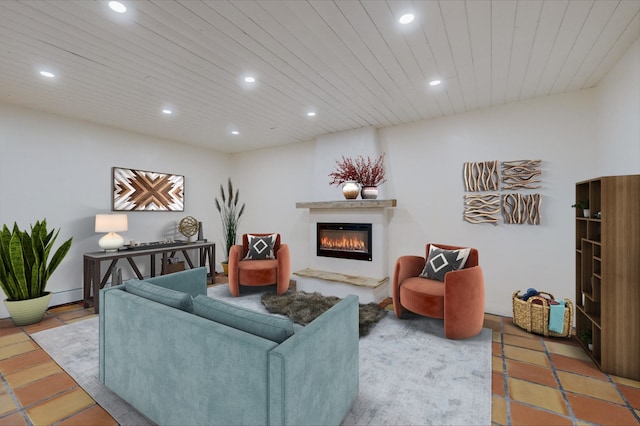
[111, 242]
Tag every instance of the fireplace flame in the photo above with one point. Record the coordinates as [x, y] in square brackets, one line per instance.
[343, 244]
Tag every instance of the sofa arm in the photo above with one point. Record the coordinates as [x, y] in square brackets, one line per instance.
[314, 375]
[284, 268]
[406, 267]
[463, 302]
[235, 255]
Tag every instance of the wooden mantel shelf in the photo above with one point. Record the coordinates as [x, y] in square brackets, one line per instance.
[346, 204]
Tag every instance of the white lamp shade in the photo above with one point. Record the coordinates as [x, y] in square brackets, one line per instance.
[111, 222]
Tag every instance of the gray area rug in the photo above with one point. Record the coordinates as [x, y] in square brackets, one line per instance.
[410, 374]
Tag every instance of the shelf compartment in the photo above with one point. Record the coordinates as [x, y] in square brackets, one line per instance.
[594, 228]
[581, 232]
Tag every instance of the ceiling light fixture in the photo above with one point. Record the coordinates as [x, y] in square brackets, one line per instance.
[407, 18]
[235, 132]
[118, 7]
[434, 82]
[167, 111]
[311, 114]
[47, 74]
[249, 79]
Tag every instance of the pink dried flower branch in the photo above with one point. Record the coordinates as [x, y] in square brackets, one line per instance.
[371, 173]
[345, 171]
[366, 172]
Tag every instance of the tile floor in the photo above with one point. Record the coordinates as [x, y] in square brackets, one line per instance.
[536, 380]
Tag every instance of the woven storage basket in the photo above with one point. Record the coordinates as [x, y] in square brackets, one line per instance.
[534, 317]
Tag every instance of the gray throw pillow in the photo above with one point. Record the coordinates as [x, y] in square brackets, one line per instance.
[173, 298]
[269, 327]
[261, 248]
[441, 261]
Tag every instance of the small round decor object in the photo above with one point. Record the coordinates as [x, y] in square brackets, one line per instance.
[188, 226]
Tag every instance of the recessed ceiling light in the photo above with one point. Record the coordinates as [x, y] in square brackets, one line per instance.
[311, 114]
[406, 18]
[167, 111]
[250, 79]
[47, 74]
[235, 132]
[434, 82]
[118, 7]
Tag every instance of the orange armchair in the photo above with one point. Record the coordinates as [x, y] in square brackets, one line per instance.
[258, 272]
[459, 300]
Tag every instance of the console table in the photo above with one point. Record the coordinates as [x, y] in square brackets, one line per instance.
[92, 261]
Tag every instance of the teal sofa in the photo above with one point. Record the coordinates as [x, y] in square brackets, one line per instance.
[161, 352]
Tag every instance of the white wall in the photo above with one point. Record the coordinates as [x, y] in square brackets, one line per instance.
[578, 136]
[424, 162]
[60, 169]
[618, 109]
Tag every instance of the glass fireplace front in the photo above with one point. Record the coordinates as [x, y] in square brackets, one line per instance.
[344, 240]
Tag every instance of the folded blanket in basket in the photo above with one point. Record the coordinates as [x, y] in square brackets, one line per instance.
[556, 316]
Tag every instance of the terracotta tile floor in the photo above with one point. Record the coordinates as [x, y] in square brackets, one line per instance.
[552, 381]
[536, 380]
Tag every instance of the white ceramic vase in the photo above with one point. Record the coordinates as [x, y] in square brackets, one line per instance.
[350, 189]
[369, 192]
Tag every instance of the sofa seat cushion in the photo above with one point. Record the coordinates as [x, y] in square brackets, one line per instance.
[258, 272]
[276, 329]
[423, 296]
[166, 296]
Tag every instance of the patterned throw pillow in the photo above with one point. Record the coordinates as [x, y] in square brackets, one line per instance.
[441, 261]
[261, 247]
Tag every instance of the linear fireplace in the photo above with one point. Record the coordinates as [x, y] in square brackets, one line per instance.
[344, 240]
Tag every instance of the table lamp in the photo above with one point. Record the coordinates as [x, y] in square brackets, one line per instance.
[111, 223]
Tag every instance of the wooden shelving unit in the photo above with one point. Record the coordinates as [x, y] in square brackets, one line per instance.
[608, 272]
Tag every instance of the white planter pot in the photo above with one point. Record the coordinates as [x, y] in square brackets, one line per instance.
[30, 311]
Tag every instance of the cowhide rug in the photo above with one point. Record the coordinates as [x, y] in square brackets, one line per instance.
[303, 308]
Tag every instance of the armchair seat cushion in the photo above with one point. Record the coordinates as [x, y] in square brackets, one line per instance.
[423, 296]
[258, 272]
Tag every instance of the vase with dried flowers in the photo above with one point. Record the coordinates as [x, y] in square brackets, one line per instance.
[346, 174]
[362, 171]
[370, 175]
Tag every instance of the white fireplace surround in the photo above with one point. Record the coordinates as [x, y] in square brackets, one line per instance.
[329, 272]
[369, 280]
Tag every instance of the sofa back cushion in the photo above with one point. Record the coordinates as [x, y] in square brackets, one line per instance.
[269, 327]
[192, 281]
[173, 298]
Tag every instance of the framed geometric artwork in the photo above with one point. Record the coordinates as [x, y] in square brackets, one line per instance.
[140, 190]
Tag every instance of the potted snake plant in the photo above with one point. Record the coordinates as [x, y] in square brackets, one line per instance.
[25, 269]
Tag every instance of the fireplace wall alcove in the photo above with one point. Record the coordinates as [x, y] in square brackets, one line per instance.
[338, 276]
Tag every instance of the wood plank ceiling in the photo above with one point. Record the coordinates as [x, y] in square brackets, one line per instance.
[349, 61]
